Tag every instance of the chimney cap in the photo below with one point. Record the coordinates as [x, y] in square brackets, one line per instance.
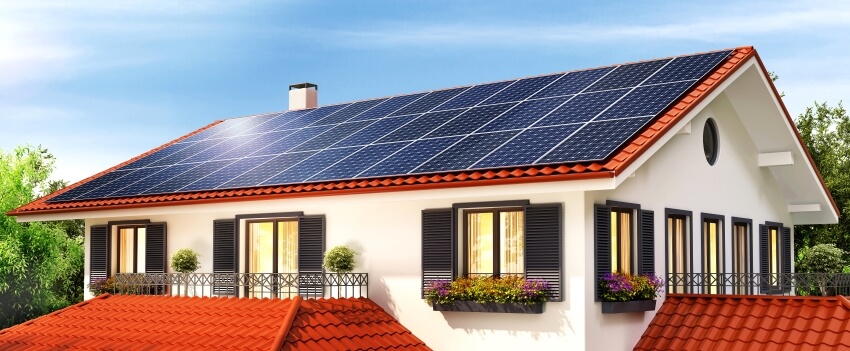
[304, 85]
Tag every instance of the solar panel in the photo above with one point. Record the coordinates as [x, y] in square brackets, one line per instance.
[348, 112]
[474, 95]
[375, 131]
[466, 152]
[183, 179]
[312, 165]
[389, 106]
[258, 174]
[572, 83]
[409, 158]
[644, 101]
[522, 89]
[595, 141]
[582, 107]
[420, 126]
[426, 103]
[554, 119]
[527, 146]
[524, 114]
[627, 75]
[359, 161]
[226, 173]
[143, 184]
[334, 135]
[470, 120]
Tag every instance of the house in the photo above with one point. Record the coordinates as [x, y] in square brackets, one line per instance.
[688, 167]
[127, 322]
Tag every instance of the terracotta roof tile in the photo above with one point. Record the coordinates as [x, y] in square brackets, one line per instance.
[736, 322]
[614, 165]
[124, 322]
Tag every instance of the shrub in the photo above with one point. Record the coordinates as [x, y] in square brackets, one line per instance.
[821, 258]
[185, 261]
[511, 289]
[627, 287]
[102, 286]
[339, 259]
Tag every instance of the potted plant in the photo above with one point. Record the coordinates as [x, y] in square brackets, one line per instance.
[339, 259]
[510, 294]
[102, 286]
[185, 261]
[623, 292]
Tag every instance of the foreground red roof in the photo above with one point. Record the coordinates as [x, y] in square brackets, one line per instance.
[735, 322]
[614, 165]
[126, 322]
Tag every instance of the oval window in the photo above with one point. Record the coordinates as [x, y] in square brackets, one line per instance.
[709, 141]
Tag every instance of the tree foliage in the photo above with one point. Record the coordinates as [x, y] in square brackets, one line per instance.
[40, 264]
[821, 258]
[826, 132]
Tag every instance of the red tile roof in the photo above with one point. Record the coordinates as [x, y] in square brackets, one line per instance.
[125, 322]
[735, 322]
[614, 165]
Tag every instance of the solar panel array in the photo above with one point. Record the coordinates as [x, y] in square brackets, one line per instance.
[559, 118]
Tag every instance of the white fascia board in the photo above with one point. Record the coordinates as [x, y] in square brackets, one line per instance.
[804, 208]
[770, 159]
[686, 122]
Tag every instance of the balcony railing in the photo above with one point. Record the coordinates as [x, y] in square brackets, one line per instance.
[260, 285]
[788, 284]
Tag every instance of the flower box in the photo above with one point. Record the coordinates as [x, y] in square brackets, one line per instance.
[628, 306]
[493, 307]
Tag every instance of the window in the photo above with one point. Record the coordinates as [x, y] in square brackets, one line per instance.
[272, 246]
[493, 238]
[494, 241]
[136, 246]
[678, 250]
[742, 260]
[289, 244]
[623, 250]
[775, 258]
[624, 240]
[709, 141]
[130, 249]
[712, 253]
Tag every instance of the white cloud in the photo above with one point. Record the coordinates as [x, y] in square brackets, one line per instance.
[790, 18]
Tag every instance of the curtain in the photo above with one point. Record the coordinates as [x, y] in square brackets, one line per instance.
[512, 240]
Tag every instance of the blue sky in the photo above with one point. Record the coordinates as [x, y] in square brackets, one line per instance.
[97, 82]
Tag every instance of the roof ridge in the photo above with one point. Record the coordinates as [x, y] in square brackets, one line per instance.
[282, 333]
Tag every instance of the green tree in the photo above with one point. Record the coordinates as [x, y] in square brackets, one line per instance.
[37, 260]
[826, 132]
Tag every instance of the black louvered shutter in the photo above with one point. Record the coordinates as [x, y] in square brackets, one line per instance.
[647, 242]
[98, 253]
[438, 246]
[311, 247]
[764, 260]
[602, 243]
[224, 257]
[786, 259]
[543, 231]
[155, 248]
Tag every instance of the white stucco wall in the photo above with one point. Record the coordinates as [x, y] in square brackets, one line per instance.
[678, 177]
[386, 230]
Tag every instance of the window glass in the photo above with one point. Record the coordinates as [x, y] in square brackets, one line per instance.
[678, 250]
[131, 250]
[273, 248]
[622, 248]
[495, 241]
[712, 254]
[741, 257]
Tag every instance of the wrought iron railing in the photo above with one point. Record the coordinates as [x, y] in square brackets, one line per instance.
[260, 285]
[789, 284]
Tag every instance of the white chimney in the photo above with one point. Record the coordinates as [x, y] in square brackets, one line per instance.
[303, 95]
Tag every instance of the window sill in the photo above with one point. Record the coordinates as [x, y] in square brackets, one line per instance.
[491, 307]
[628, 306]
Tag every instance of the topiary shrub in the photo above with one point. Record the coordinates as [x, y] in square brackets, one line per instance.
[339, 259]
[185, 261]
